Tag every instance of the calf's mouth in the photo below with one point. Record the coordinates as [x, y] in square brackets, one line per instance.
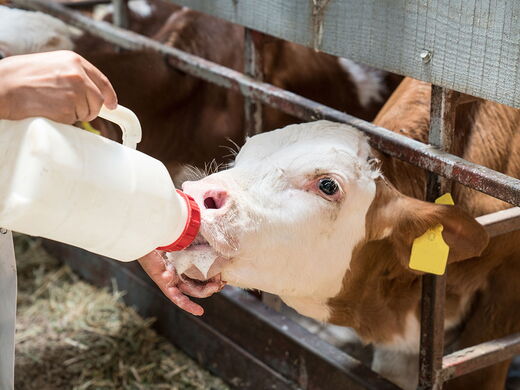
[198, 242]
[198, 266]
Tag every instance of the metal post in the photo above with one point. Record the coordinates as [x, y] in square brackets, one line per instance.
[121, 13]
[253, 112]
[253, 68]
[442, 123]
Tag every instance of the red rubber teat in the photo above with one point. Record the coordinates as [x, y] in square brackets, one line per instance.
[190, 230]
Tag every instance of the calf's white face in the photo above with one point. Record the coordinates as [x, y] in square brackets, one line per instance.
[286, 217]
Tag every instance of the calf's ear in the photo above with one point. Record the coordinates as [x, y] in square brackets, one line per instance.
[465, 237]
[463, 234]
[399, 220]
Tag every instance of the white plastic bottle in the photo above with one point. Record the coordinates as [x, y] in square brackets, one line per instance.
[73, 186]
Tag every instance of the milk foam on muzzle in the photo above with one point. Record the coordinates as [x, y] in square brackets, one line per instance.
[196, 261]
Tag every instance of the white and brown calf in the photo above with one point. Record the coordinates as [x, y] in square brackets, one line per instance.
[307, 213]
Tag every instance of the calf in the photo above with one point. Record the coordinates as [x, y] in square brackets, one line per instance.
[310, 212]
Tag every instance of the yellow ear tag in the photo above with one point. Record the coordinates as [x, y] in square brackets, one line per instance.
[445, 199]
[429, 251]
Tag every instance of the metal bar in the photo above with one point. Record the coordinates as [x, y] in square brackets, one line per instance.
[432, 331]
[501, 222]
[442, 124]
[78, 4]
[424, 156]
[238, 338]
[253, 68]
[479, 356]
[121, 13]
[442, 119]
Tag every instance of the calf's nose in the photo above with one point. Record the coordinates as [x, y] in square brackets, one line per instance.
[215, 199]
[207, 196]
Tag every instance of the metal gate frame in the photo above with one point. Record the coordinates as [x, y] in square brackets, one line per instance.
[435, 158]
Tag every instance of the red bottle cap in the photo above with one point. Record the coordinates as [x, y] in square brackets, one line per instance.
[190, 230]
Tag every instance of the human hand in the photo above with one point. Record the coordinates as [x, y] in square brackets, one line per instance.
[173, 287]
[59, 85]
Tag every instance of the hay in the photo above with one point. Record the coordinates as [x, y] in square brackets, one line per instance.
[71, 335]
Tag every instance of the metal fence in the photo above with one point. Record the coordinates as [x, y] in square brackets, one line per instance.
[435, 158]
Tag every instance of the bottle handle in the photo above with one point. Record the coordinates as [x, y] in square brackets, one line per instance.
[127, 121]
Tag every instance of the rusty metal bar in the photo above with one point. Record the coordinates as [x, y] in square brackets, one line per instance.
[442, 125]
[442, 122]
[479, 356]
[501, 222]
[432, 331]
[253, 68]
[424, 156]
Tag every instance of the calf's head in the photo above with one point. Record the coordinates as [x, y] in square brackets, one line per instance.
[294, 212]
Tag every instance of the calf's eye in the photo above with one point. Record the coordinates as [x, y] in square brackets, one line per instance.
[328, 186]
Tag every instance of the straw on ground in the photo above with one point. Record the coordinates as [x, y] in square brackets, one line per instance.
[71, 335]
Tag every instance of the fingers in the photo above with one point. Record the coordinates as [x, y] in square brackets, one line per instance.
[100, 80]
[94, 100]
[92, 89]
[81, 107]
[154, 266]
[181, 300]
[166, 281]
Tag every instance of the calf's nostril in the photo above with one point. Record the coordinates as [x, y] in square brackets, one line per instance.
[210, 203]
[215, 199]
